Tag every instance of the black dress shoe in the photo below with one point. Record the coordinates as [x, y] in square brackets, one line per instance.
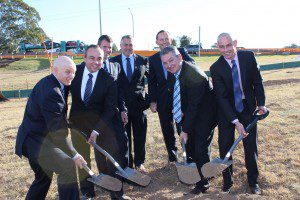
[227, 187]
[199, 189]
[255, 189]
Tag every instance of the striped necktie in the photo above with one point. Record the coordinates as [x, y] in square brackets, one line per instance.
[238, 99]
[88, 89]
[104, 66]
[177, 100]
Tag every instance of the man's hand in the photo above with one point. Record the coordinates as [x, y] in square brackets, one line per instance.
[240, 129]
[183, 135]
[79, 161]
[93, 137]
[153, 107]
[124, 117]
[262, 110]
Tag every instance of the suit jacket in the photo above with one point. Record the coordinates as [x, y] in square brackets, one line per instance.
[133, 93]
[44, 118]
[99, 113]
[251, 82]
[157, 83]
[197, 99]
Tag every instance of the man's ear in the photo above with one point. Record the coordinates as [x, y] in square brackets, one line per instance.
[235, 43]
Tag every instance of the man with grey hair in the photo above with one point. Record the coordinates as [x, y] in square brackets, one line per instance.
[43, 134]
[131, 84]
[159, 95]
[193, 108]
[239, 91]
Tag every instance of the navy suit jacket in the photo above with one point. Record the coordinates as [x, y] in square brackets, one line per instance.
[197, 99]
[157, 83]
[133, 93]
[251, 81]
[44, 118]
[99, 113]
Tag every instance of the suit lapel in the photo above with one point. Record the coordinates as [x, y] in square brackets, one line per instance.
[59, 89]
[79, 81]
[227, 72]
[135, 67]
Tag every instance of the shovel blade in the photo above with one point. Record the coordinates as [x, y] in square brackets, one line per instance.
[135, 176]
[215, 167]
[188, 173]
[106, 182]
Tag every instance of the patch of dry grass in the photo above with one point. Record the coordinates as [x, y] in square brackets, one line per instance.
[279, 153]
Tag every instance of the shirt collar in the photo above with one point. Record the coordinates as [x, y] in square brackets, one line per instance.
[62, 86]
[124, 57]
[86, 72]
[235, 59]
[178, 73]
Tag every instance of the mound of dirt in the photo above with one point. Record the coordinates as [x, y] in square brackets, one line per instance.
[281, 82]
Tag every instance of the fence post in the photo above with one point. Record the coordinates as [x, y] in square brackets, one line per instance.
[1, 55]
[35, 55]
[26, 83]
[12, 55]
[24, 55]
[19, 94]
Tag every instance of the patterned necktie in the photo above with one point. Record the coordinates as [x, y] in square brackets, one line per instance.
[104, 66]
[88, 89]
[128, 68]
[238, 99]
[177, 101]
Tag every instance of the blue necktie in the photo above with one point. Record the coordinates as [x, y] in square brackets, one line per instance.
[177, 100]
[128, 68]
[238, 99]
[88, 89]
[104, 66]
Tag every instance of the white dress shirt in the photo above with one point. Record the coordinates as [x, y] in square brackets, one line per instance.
[107, 65]
[124, 62]
[85, 78]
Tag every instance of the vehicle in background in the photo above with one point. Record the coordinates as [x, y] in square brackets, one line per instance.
[71, 44]
[192, 48]
[48, 44]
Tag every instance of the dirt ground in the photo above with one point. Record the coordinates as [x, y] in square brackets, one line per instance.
[278, 143]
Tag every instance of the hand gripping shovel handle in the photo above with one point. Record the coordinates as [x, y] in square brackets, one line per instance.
[106, 154]
[248, 128]
[184, 151]
[88, 170]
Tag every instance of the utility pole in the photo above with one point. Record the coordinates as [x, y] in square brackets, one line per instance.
[100, 17]
[132, 22]
[199, 42]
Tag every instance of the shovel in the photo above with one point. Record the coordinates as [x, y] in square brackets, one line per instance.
[104, 181]
[128, 173]
[187, 172]
[217, 165]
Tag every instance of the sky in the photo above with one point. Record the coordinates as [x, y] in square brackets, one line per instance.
[255, 23]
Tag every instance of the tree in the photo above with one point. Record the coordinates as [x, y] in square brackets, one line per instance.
[114, 48]
[184, 40]
[18, 23]
[174, 43]
[214, 46]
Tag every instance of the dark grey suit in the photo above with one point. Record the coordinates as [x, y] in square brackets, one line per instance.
[254, 96]
[42, 138]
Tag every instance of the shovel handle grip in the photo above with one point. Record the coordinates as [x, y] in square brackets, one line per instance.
[88, 170]
[248, 128]
[112, 160]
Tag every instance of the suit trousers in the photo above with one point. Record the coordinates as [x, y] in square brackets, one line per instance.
[84, 149]
[226, 140]
[51, 159]
[167, 127]
[137, 122]
[115, 147]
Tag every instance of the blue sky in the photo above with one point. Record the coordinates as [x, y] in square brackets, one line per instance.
[255, 23]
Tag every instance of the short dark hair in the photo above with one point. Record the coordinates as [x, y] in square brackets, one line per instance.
[104, 37]
[161, 31]
[92, 46]
[126, 36]
[168, 49]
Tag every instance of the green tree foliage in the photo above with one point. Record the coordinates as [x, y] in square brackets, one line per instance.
[184, 40]
[174, 43]
[18, 23]
[114, 48]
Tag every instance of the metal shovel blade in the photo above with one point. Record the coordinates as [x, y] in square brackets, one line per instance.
[188, 173]
[135, 176]
[215, 167]
[106, 182]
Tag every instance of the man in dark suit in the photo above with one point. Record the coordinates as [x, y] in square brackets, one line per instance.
[239, 91]
[42, 136]
[193, 107]
[159, 95]
[131, 84]
[105, 43]
[94, 112]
